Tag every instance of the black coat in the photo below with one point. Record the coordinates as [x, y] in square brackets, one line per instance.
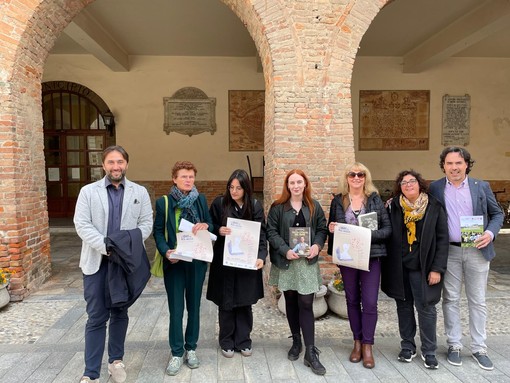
[433, 251]
[231, 287]
[379, 236]
[128, 267]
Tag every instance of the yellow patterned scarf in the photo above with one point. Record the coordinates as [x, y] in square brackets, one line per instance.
[413, 212]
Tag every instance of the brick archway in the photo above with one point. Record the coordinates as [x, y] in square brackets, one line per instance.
[307, 51]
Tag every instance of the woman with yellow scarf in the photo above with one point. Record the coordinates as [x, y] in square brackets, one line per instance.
[412, 272]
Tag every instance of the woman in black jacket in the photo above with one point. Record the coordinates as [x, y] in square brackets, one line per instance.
[233, 289]
[359, 196]
[412, 273]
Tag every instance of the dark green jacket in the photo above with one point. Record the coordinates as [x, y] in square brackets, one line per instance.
[280, 218]
[159, 223]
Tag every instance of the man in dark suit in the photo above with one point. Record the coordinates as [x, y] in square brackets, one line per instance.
[463, 196]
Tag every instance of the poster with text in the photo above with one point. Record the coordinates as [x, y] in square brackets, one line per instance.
[197, 246]
[242, 245]
[351, 246]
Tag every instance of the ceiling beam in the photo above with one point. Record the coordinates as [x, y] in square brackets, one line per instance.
[481, 22]
[86, 31]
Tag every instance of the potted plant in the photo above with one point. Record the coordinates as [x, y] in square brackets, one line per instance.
[336, 296]
[4, 293]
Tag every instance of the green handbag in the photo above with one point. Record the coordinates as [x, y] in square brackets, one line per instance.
[157, 265]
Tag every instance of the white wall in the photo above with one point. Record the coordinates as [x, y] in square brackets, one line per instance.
[136, 100]
[487, 81]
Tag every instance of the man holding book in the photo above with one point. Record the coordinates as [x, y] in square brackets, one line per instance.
[462, 197]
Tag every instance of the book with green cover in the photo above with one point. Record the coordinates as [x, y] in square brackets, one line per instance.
[471, 227]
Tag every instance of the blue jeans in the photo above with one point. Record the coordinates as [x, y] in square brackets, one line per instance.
[361, 293]
[427, 315]
[468, 264]
[95, 330]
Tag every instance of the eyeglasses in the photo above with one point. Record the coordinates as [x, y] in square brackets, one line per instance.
[412, 181]
[354, 174]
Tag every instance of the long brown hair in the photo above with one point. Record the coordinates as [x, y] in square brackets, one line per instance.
[307, 193]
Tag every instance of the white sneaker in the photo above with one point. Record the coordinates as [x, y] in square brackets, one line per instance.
[174, 365]
[227, 353]
[117, 371]
[191, 359]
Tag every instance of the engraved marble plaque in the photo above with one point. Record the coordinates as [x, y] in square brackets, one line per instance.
[456, 122]
[189, 111]
[394, 119]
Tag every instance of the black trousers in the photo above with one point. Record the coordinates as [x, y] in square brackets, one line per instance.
[235, 328]
[427, 316]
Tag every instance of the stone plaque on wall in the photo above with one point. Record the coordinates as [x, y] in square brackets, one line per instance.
[394, 119]
[456, 120]
[189, 111]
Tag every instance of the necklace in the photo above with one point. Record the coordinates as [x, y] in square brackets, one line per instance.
[356, 212]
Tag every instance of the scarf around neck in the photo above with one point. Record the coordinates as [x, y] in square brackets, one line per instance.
[186, 202]
[413, 212]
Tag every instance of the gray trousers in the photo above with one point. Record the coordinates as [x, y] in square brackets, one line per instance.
[466, 264]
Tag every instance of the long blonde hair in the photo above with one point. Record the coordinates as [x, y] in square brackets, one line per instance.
[368, 187]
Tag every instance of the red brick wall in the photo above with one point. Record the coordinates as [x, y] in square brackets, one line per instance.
[307, 51]
[211, 189]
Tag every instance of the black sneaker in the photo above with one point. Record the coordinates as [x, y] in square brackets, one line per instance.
[430, 361]
[406, 355]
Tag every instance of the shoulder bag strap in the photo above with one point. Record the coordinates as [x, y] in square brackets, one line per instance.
[166, 217]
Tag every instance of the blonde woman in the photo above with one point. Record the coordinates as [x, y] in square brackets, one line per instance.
[358, 195]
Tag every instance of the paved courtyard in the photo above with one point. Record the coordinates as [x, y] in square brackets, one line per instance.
[41, 338]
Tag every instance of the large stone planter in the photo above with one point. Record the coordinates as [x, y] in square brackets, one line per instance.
[4, 295]
[319, 303]
[336, 301]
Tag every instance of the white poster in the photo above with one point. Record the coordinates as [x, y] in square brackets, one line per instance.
[75, 173]
[198, 246]
[53, 174]
[351, 246]
[242, 245]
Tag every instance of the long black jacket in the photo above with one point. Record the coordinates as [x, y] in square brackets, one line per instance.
[433, 251]
[231, 287]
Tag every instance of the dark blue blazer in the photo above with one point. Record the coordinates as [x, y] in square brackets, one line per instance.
[128, 267]
[484, 204]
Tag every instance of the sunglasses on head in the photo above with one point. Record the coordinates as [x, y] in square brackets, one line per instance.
[354, 174]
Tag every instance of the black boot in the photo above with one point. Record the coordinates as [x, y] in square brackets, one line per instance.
[296, 348]
[312, 360]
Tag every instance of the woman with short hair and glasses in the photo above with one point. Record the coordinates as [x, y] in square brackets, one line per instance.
[358, 195]
[183, 280]
[233, 289]
[412, 273]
